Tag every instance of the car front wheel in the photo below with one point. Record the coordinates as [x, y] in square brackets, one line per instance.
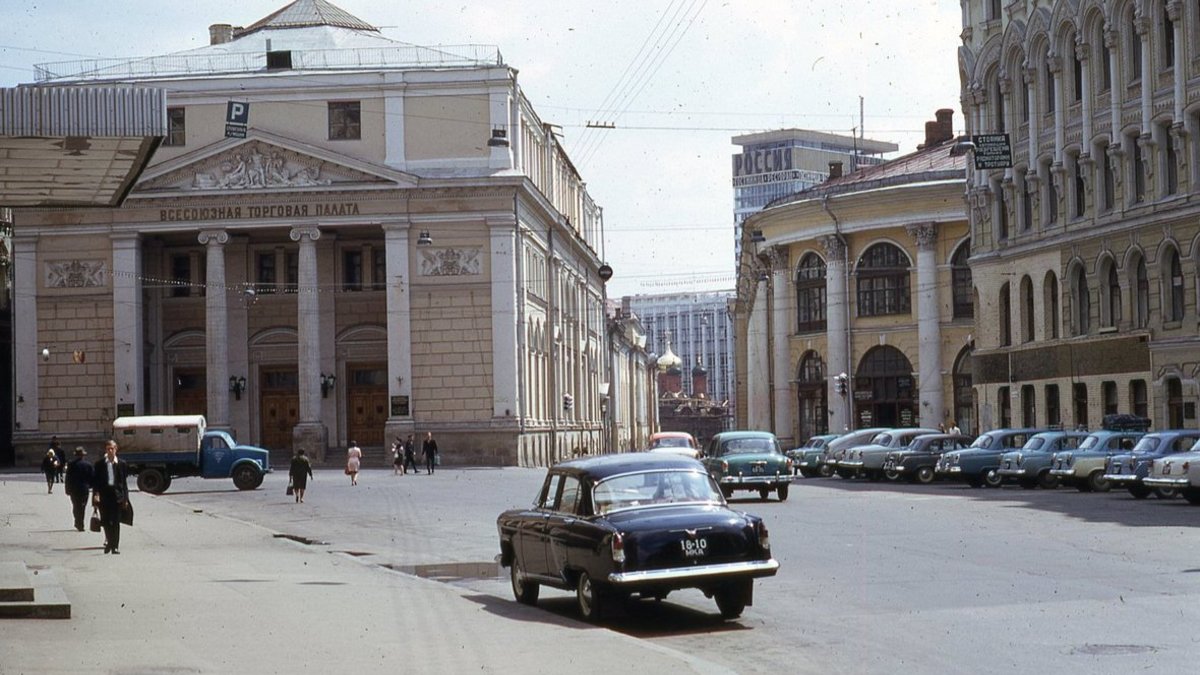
[992, 479]
[1047, 480]
[589, 598]
[1095, 482]
[525, 591]
[1139, 491]
[925, 475]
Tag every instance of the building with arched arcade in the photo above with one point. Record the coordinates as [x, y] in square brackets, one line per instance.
[1086, 251]
[864, 275]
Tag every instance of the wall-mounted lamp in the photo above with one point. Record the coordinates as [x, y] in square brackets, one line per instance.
[757, 236]
[499, 138]
[237, 385]
[45, 353]
[327, 382]
[424, 239]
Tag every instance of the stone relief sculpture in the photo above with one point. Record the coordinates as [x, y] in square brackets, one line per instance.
[75, 274]
[450, 262]
[252, 168]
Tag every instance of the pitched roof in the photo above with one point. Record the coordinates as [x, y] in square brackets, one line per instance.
[305, 13]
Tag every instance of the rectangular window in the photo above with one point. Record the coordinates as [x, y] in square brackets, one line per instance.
[1005, 403]
[1105, 67]
[378, 269]
[352, 270]
[1108, 390]
[1028, 406]
[1080, 194]
[181, 275]
[176, 128]
[345, 121]
[1053, 416]
[265, 274]
[292, 278]
[1080, 399]
[1137, 398]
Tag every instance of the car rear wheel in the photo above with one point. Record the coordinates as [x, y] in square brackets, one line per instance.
[1165, 493]
[845, 473]
[1139, 491]
[763, 493]
[1095, 482]
[1192, 495]
[825, 471]
[731, 600]
[153, 481]
[246, 477]
[925, 475]
[525, 591]
[589, 598]
[782, 492]
[1047, 480]
[1028, 483]
[992, 479]
[809, 473]
[891, 475]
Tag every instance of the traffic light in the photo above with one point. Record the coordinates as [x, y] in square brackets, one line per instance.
[840, 383]
[568, 402]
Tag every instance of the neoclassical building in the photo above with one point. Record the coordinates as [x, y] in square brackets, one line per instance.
[342, 237]
[1087, 251]
[864, 276]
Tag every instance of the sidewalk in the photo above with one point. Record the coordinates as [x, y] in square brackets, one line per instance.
[198, 593]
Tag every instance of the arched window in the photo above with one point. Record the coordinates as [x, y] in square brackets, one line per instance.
[964, 395]
[883, 281]
[1168, 37]
[885, 389]
[1026, 309]
[964, 308]
[813, 396]
[1082, 301]
[1173, 288]
[1140, 296]
[810, 293]
[1005, 315]
[1110, 294]
[1133, 47]
[1050, 305]
[1048, 81]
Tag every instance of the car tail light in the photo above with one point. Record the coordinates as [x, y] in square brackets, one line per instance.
[618, 548]
[724, 466]
[764, 539]
[789, 466]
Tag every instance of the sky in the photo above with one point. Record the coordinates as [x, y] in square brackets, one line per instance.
[677, 79]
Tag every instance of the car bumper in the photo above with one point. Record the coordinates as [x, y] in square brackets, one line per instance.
[1011, 472]
[1166, 482]
[850, 465]
[952, 470]
[1063, 473]
[1121, 478]
[754, 480]
[673, 575]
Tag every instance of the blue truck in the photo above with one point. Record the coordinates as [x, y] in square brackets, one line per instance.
[160, 448]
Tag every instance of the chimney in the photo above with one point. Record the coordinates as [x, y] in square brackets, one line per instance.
[626, 306]
[835, 170]
[945, 120]
[220, 33]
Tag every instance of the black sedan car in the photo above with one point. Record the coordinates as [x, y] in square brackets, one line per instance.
[613, 526]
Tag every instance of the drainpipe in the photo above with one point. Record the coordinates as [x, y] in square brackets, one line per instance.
[837, 228]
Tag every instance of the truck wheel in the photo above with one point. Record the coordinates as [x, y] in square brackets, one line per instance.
[153, 481]
[246, 477]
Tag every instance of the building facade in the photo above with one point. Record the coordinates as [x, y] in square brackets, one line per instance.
[775, 164]
[323, 252]
[855, 310]
[1086, 252]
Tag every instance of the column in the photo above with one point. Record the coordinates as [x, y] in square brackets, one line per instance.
[758, 374]
[128, 336]
[505, 395]
[1030, 78]
[1141, 25]
[782, 374]
[1112, 41]
[1174, 9]
[1082, 53]
[929, 330]
[837, 336]
[216, 333]
[1054, 66]
[399, 327]
[26, 348]
[310, 434]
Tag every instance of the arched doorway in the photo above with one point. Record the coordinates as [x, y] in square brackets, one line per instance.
[811, 392]
[964, 393]
[883, 389]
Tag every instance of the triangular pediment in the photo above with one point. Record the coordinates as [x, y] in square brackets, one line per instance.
[264, 162]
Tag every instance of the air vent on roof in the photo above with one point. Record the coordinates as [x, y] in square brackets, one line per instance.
[280, 60]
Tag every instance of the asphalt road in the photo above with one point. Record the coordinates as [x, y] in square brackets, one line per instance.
[875, 577]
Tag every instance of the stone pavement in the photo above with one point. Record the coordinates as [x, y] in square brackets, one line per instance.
[197, 593]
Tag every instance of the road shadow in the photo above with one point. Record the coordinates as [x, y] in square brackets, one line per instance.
[1116, 506]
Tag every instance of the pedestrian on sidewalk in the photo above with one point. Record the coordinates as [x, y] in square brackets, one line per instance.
[300, 471]
[78, 483]
[50, 469]
[60, 456]
[397, 456]
[110, 493]
[353, 461]
[429, 449]
[410, 455]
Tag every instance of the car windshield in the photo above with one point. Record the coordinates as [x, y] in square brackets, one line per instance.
[670, 442]
[742, 446]
[654, 488]
[983, 442]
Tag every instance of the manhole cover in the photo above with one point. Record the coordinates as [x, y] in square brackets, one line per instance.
[1113, 650]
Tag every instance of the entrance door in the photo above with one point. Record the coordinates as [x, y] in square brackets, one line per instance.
[190, 396]
[884, 389]
[279, 408]
[367, 404]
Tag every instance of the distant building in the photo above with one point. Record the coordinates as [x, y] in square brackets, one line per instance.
[774, 164]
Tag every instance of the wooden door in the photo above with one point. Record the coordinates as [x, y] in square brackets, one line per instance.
[279, 408]
[190, 394]
[366, 405]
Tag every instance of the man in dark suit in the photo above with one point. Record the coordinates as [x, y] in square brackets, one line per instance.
[111, 494]
[78, 484]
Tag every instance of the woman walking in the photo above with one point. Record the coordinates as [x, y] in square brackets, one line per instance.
[299, 472]
[353, 460]
[50, 468]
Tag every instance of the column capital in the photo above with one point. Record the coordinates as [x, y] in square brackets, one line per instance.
[298, 233]
[1141, 25]
[396, 226]
[835, 248]
[213, 237]
[1111, 37]
[1005, 83]
[925, 234]
[1174, 10]
[776, 258]
[1054, 64]
[1083, 50]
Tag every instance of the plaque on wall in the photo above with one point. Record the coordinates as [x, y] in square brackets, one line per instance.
[126, 409]
[400, 406]
[906, 417]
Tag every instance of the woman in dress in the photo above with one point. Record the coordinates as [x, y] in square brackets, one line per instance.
[300, 472]
[353, 459]
[50, 468]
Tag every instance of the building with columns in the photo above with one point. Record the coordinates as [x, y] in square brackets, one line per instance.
[323, 251]
[864, 276]
[1086, 254]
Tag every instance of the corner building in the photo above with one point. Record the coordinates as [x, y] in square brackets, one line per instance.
[397, 245]
[864, 275]
[1087, 251]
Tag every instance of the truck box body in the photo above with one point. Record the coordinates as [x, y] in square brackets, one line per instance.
[160, 438]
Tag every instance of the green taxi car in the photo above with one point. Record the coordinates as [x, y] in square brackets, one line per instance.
[748, 460]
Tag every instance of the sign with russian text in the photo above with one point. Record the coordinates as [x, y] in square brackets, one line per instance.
[992, 151]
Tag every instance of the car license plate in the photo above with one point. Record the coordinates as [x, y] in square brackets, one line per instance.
[695, 548]
[757, 469]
